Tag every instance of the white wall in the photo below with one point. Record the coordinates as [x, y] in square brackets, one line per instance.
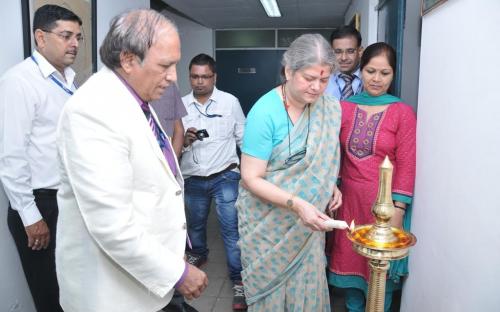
[195, 39]
[106, 10]
[455, 264]
[14, 292]
[12, 34]
[369, 18]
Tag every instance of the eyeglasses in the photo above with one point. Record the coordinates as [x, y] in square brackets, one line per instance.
[346, 51]
[202, 77]
[67, 36]
[296, 157]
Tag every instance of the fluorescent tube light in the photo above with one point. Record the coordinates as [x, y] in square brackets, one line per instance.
[271, 8]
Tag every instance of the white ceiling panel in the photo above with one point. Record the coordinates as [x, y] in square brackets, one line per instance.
[224, 14]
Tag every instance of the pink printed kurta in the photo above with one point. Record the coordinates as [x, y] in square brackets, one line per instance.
[365, 143]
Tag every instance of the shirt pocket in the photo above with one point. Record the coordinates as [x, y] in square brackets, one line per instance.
[189, 121]
[224, 126]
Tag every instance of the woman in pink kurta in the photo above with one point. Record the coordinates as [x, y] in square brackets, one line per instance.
[374, 124]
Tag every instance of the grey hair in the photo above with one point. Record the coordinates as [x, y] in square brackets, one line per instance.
[308, 50]
[133, 31]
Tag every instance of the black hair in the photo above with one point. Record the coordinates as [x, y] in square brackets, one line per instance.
[376, 49]
[46, 17]
[345, 32]
[203, 59]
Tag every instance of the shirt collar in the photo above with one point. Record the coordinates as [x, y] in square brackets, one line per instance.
[47, 69]
[213, 97]
[130, 89]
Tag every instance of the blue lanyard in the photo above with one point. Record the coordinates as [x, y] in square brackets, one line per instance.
[55, 80]
[206, 114]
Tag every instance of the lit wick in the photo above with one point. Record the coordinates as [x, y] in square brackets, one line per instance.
[352, 226]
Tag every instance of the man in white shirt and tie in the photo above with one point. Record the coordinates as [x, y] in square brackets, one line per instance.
[32, 95]
[346, 44]
[209, 164]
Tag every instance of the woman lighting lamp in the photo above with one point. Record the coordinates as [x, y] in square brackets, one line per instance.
[289, 166]
[374, 124]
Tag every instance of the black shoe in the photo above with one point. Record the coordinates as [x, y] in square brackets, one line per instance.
[239, 302]
[178, 304]
[179, 307]
[195, 260]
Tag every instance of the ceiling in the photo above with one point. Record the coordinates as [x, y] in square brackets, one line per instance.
[224, 14]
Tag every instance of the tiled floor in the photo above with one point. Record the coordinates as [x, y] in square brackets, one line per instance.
[218, 295]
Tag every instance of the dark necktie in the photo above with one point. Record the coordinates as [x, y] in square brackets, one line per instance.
[161, 138]
[347, 91]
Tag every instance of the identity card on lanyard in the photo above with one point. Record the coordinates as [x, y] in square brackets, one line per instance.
[54, 79]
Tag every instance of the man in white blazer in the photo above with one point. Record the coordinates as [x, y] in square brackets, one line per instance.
[121, 228]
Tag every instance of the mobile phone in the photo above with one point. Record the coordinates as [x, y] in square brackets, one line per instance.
[201, 134]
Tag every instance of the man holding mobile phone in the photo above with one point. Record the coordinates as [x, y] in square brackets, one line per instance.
[209, 164]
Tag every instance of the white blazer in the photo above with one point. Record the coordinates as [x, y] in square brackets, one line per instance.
[121, 231]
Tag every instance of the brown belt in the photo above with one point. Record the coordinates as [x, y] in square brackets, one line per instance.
[213, 175]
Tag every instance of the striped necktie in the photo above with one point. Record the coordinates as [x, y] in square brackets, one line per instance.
[160, 137]
[347, 91]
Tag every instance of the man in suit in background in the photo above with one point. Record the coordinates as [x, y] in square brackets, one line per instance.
[346, 44]
[32, 95]
[122, 228]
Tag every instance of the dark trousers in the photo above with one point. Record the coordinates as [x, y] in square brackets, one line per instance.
[39, 266]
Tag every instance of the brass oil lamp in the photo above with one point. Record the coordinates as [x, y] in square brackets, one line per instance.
[380, 242]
